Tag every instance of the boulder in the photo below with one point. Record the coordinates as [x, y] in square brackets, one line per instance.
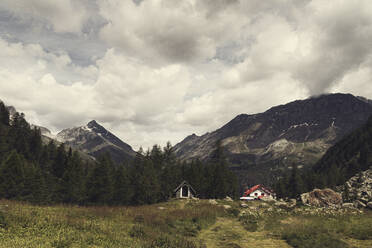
[322, 198]
[226, 206]
[243, 205]
[369, 204]
[360, 204]
[267, 199]
[348, 205]
[280, 204]
[213, 202]
[228, 198]
[358, 187]
[292, 203]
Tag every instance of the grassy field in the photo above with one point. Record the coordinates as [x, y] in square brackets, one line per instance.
[189, 224]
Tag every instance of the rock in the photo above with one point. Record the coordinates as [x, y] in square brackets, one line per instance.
[243, 205]
[292, 203]
[280, 204]
[348, 205]
[228, 198]
[267, 199]
[213, 202]
[359, 187]
[242, 213]
[226, 206]
[369, 204]
[360, 204]
[322, 198]
[161, 208]
[264, 204]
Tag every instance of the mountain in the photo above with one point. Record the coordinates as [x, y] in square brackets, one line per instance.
[95, 140]
[259, 146]
[347, 157]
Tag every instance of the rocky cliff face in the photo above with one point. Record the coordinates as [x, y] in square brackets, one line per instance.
[358, 189]
[95, 140]
[298, 132]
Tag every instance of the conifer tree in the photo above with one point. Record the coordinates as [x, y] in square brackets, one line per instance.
[4, 114]
[12, 176]
[296, 185]
[123, 191]
[100, 183]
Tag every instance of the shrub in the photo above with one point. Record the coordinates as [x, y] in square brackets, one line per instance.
[61, 243]
[137, 231]
[250, 222]
[139, 219]
[361, 230]
[234, 212]
[3, 222]
[168, 242]
[313, 240]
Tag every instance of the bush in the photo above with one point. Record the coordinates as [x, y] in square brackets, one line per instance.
[3, 222]
[138, 232]
[168, 242]
[361, 230]
[61, 244]
[313, 240]
[249, 222]
[234, 212]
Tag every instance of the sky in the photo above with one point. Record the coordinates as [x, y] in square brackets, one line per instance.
[153, 71]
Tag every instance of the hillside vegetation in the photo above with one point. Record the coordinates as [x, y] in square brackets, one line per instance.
[182, 224]
[350, 155]
[50, 174]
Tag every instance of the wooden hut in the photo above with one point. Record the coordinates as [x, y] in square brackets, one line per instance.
[184, 190]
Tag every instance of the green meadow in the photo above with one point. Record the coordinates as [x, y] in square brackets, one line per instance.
[181, 223]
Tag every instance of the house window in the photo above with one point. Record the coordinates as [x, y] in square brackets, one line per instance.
[262, 194]
[255, 194]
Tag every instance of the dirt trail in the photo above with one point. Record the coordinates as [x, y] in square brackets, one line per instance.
[229, 233]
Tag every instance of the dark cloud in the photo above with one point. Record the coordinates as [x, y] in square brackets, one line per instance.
[157, 70]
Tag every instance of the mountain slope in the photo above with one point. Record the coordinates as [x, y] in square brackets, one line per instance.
[95, 140]
[348, 156]
[298, 132]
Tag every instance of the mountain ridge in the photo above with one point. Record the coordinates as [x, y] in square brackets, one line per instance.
[96, 140]
[297, 132]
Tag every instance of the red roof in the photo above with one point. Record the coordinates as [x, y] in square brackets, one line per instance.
[254, 188]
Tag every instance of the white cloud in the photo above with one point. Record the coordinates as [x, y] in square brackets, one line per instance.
[172, 68]
[62, 15]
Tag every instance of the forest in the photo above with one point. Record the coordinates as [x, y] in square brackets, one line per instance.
[53, 173]
[346, 158]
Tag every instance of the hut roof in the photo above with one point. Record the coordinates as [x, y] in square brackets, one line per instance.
[184, 183]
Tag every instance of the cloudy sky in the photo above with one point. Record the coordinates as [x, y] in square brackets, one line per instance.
[159, 70]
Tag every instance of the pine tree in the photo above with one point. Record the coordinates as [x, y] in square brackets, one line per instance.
[4, 114]
[12, 176]
[60, 161]
[123, 191]
[100, 184]
[296, 185]
[73, 180]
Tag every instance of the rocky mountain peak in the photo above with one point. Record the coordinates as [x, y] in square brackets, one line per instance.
[93, 123]
[95, 140]
[297, 132]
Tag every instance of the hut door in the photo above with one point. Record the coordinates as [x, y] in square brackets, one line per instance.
[185, 191]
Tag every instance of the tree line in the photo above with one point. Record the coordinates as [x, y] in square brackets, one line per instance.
[346, 158]
[52, 173]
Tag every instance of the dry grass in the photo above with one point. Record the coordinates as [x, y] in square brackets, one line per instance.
[180, 224]
[31, 226]
[229, 232]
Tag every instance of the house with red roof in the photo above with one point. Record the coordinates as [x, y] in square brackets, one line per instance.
[258, 192]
